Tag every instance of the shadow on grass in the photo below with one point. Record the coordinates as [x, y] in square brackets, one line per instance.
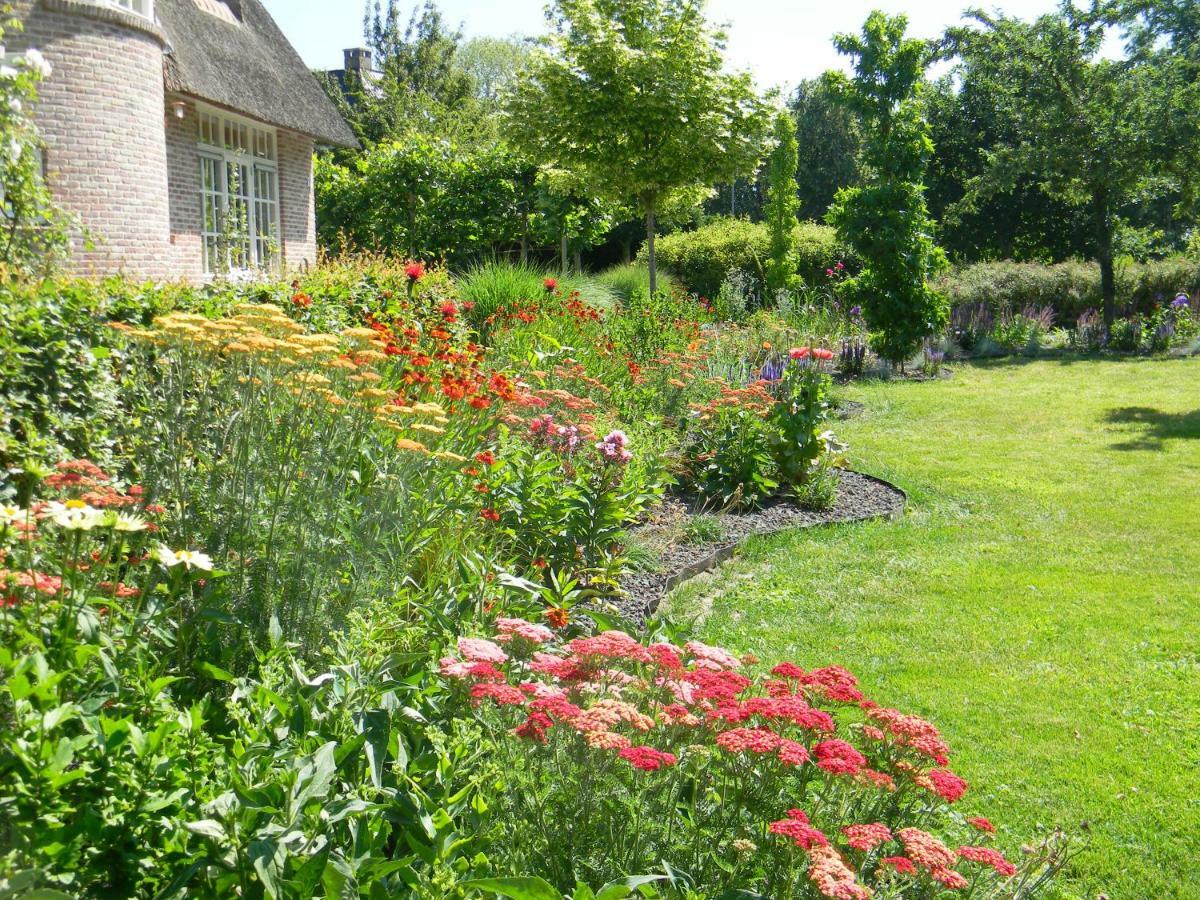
[1155, 426]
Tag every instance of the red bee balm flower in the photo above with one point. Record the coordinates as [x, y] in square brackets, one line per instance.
[551, 285]
[415, 271]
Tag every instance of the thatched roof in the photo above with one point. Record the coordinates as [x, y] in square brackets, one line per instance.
[243, 62]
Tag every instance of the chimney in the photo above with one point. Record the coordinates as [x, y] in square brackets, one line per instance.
[359, 60]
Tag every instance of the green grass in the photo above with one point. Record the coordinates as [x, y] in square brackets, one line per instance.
[1040, 602]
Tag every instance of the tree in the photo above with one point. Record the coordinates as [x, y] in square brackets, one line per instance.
[782, 203]
[492, 65]
[885, 220]
[829, 147]
[1087, 125]
[631, 96]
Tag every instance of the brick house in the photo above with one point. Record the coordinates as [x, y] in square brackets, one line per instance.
[179, 134]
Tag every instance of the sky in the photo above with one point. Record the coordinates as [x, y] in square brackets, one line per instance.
[781, 41]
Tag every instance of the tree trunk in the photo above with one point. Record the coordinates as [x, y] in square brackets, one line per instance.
[566, 262]
[651, 253]
[1104, 254]
[627, 251]
[578, 262]
[524, 235]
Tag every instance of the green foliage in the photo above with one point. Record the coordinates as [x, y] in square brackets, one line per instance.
[829, 147]
[1087, 125]
[626, 280]
[886, 220]
[781, 206]
[733, 466]
[583, 104]
[425, 199]
[702, 259]
[796, 420]
[493, 286]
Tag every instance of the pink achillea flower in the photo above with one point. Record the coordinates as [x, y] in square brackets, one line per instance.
[559, 707]
[950, 878]
[748, 740]
[839, 758]
[792, 753]
[797, 827]
[479, 650]
[866, 837]
[647, 758]
[986, 856]
[833, 878]
[712, 657]
[717, 685]
[913, 732]
[519, 628]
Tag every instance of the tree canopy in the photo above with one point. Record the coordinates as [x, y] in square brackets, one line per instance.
[631, 95]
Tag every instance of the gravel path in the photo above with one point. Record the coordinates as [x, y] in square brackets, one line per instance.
[859, 498]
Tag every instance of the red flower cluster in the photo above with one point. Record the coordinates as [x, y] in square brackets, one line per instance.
[647, 758]
[986, 856]
[798, 827]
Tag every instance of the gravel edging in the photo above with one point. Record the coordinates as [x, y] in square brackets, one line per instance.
[860, 498]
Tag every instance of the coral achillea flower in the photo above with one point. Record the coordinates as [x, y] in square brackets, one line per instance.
[797, 827]
[607, 740]
[748, 740]
[950, 878]
[519, 628]
[480, 650]
[926, 850]
[501, 694]
[534, 727]
[901, 864]
[647, 758]
[833, 878]
[875, 779]
[986, 856]
[979, 823]
[415, 271]
[945, 784]
[677, 714]
[712, 657]
[604, 714]
[839, 758]
[557, 706]
[913, 732]
[866, 837]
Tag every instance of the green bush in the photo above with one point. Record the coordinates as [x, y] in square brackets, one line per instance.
[495, 285]
[624, 280]
[702, 258]
[1070, 288]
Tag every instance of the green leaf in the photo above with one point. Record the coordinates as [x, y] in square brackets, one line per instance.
[527, 888]
[268, 858]
[209, 828]
[219, 674]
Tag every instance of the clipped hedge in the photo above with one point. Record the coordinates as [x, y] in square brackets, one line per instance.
[702, 258]
[1070, 288]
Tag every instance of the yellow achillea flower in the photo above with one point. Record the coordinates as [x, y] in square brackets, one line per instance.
[430, 429]
[429, 409]
[450, 457]
[366, 376]
[359, 334]
[370, 356]
[414, 446]
[341, 364]
[374, 394]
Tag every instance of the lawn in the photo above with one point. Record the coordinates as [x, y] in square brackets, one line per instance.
[1040, 601]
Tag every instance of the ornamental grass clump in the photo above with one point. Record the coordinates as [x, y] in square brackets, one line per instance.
[618, 756]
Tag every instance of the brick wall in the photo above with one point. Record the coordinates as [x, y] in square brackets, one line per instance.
[183, 182]
[106, 157]
[297, 219]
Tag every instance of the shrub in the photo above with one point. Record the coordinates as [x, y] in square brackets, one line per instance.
[782, 203]
[626, 280]
[701, 259]
[492, 286]
[619, 756]
[730, 464]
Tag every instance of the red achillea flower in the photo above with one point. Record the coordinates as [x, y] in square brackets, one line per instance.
[986, 856]
[647, 758]
[667, 656]
[981, 824]
[490, 515]
[797, 827]
[945, 784]
[955, 881]
[415, 271]
[866, 837]
[901, 864]
[501, 694]
[839, 758]
[8, 601]
[677, 714]
[559, 707]
[534, 727]
[717, 685]
[789, 670]
[913, 732]
[748, 740]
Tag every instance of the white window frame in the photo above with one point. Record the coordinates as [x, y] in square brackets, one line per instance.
[143, 8]
[229, 144]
